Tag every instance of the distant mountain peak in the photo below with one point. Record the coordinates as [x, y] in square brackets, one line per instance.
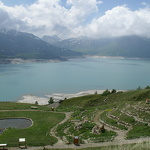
[15, 44]
[126, 46]
[51, 39]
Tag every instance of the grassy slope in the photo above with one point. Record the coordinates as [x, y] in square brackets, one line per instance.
[20, 106]
[113, 100]
[42, 124]
[117, 101]
[38, 134]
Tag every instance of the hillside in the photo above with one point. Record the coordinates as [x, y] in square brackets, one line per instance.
[127, 46]
[14, 44]
[112, 119]
[126, 113]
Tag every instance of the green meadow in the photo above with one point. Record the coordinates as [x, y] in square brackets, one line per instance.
[127, 111]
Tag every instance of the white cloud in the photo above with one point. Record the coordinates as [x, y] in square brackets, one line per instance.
[120, 21]
[52, 17]
[8, 22]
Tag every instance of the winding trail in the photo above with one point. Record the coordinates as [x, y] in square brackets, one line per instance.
[119, 140]
[121, 134]
[53, 133]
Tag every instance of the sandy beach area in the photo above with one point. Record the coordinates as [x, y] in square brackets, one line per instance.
[56, 96]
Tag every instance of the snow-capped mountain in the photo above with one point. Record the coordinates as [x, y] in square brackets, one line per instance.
[14, 44]
[127, 46]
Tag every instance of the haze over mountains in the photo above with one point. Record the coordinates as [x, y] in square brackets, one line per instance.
[14, 44]
[126, 46]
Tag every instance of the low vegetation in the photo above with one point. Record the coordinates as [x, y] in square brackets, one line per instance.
[125, 111]
[21, 106]
[123, 105]
[38, 134]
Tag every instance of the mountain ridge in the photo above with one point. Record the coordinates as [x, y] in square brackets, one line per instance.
[126, 46]
[15, 44]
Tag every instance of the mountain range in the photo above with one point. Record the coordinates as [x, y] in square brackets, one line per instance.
[14, 44]
[126, 46]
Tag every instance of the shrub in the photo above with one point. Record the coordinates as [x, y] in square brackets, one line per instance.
[106, 92]
[113, 91]
[51, 100]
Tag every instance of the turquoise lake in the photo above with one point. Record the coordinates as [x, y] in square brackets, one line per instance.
[72, 76]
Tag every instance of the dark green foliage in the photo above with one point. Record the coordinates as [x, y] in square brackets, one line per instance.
[95, 92]
[51, 100]
[148, 87]
[36, 102]
[113, 91]
[139, 88]
[106, 92]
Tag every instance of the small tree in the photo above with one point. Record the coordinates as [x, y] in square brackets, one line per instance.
[60, 101]
[106, 92]
[51, 100]
[113, 91]
[36, 102]
[139, 88]
[148, 87]
[95, 92]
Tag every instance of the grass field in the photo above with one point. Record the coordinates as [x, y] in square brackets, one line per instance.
[20, 106]
[84, 109]
[38, 134]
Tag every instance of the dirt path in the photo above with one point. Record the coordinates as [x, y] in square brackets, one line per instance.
[119, 140]
[53, 133]
[121, 134]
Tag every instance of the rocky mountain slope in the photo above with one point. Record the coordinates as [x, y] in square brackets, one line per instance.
[14, 44]
[127, 46]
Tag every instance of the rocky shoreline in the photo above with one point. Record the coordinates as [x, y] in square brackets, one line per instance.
[20, 61]
[56, 96]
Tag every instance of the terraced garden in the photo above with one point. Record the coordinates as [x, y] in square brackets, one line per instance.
[99, 119]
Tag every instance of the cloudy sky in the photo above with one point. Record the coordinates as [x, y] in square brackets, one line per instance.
[74, 18]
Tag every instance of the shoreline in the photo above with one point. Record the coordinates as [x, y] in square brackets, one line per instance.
[56, 96]
[116, 57]
[21, 61]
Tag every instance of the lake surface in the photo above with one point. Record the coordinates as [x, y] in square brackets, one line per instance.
[72, 76]
[18, 123]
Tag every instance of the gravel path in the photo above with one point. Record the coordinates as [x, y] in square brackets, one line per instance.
[119, 140]
[53, 133]
[121, 134]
